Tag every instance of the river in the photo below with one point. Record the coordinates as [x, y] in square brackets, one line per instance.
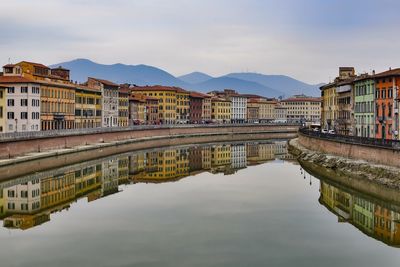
[222, 204]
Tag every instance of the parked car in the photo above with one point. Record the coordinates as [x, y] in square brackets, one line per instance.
[331, 132]
[324, 131]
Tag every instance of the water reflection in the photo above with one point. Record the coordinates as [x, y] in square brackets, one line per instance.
[29, 201]
[375, 218]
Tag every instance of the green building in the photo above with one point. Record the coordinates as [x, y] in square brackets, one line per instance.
[364, 108]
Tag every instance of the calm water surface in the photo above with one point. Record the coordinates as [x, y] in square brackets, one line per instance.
[242, 204]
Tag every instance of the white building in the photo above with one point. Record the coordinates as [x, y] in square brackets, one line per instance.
[22, 198]
[239, 156]
[110, 100]
[22, 103]
[280, 114]
[238, 104]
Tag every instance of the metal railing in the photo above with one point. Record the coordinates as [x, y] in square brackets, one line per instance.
[7, 137]
[384, 143]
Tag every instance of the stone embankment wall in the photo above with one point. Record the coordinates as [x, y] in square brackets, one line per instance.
[373, 179]
[370, 153]
[11, 147]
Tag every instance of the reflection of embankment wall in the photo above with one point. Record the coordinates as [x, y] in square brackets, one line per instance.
[11, 148]
[59, 161]
[379, 155]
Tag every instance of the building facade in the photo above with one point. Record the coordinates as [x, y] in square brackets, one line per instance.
[303, 109]
[3, 92]
[123, 106]
[182, 106]
[364, 107]
[87, 107]
[21, 100]
[238, 104]
[253, 111]
[200, 108]
[220, 110]
[280, 114]
[167, 101]
[345, 99]
[136, 109]
[386, 104]
[110, 100]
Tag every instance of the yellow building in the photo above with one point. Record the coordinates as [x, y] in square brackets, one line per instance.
[137, 106]
[329, 107]
[267, 110]
[87, 180]
[57, 190]
[221, 158]
[57, 93]
[123, 170]
[182, 106]
[123, 106]
[167, 101]
[220, 110]
[3, 92]
[87, 107]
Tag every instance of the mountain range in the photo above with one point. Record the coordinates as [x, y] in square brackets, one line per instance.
[245, 83]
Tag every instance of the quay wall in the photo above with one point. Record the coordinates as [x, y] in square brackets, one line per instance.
[12, 146]
[374, 154]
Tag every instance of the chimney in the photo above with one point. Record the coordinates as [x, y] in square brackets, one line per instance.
[373, 72]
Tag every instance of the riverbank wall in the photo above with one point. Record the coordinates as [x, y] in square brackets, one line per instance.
[350, 148]
[373, 179]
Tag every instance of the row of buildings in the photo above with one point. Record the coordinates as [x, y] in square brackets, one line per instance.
[28, 201]
[365, 105]
[34, 97]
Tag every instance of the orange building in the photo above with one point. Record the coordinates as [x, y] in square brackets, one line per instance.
[387, 125]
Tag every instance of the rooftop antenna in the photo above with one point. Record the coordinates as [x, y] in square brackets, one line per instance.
[9, 60]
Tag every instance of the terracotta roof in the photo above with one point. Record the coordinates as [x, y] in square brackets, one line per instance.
[3, 85]
[60, 68]
[158, 88]
[139, 98]
[124, 90]
[9, 66]
[105, 82]
[303, 99]
[16, 79]
[34, 64]
[219, 99]
[199, 95]
[86, 88]
[392, 72]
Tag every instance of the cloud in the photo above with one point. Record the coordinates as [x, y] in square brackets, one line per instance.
[306, 39]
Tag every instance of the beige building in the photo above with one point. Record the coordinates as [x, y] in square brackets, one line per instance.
[303, 109]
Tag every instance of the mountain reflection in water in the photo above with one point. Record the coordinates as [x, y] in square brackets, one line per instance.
[28, 201]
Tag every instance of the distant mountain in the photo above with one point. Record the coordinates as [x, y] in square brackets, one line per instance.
[120, 73]
[244, 87]
[280, 83]
[195, 77]
[248, 83]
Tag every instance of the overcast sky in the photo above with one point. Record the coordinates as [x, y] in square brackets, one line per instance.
[306, 39]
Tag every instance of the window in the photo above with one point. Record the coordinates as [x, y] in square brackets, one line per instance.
[11, 193]
[24, 102]
[24, 115]
[10, 115]
[24, 90]
[11, 90]
[10, 102]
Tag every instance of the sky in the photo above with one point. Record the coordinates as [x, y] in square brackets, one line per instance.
[305, 39]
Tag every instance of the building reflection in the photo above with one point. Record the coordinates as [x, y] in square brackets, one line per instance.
[29, 201]
[373, 217]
